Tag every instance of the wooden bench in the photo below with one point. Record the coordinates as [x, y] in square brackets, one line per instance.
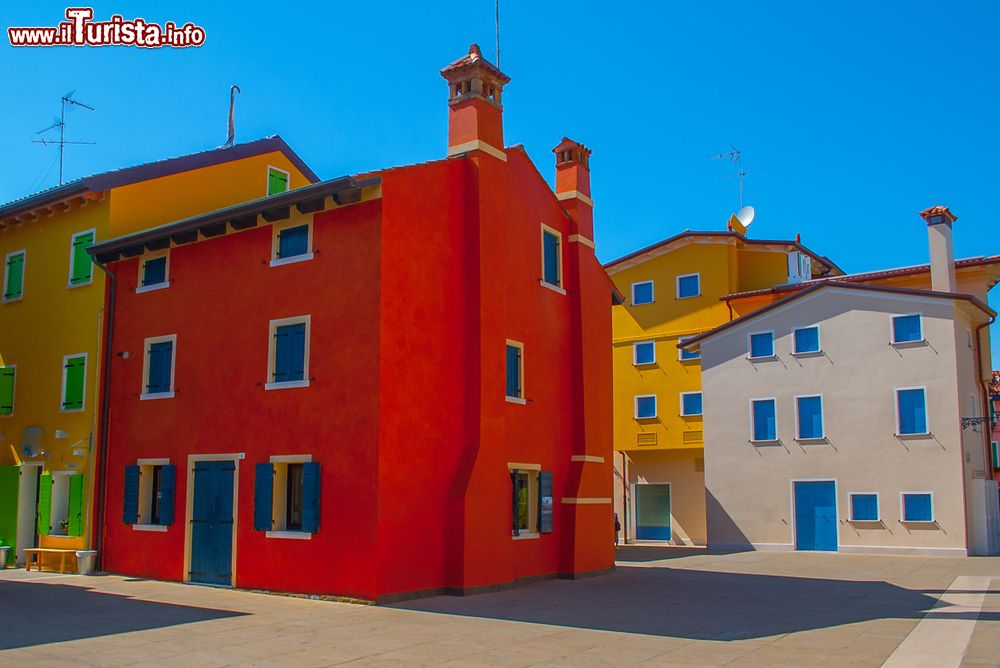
[34, 555]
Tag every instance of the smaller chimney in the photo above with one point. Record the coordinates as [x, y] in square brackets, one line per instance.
[573, 185]
[942, 248]
[475, 116]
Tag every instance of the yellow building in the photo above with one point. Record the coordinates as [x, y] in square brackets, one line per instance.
[51, 320]
[672, 290]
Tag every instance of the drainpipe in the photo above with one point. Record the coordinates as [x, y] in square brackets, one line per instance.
[102, 447]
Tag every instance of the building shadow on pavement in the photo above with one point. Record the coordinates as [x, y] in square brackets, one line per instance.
[693, 604]
[43, 613]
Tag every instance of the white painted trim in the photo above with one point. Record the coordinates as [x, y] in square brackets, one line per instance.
[290, 459]
[165, 283]
[69, 280]
[892, 328]
[13, 392]
[291, 223]
[522, 466]
[677, 285]
[680, 356]
[656, 408]
[24, 271]
[526, 535]
[777, 436]
[159, 461]
[822, 417]
[635, 356]
[819, 340]
[905, 550]
[234, 457]
[520, 372]
[144, 394]
[280, 262]
[515, 400]
[574, 194]
[580, 239]
[554, 288]
[587, 458]
[850, 506]
[652, 291]
[836, 509]
[272, 328]
[902, 509]
[681, 396]
[927, 423]
[160, 528]
[750, 355]
[545, 229]
[62, 393]
[267, 180]
[293, 535]
[591, 501]
[477, 144]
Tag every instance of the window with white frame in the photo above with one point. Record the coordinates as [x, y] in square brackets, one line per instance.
[911, 411]
[154, 272]
[809, 417]
[763, 420]
[761, 345]
[916, 507]
[288, 353]
[643, 352]
[514, 368]
[642, 293]
[690, 404]
[907, 328]
[864, 507]
[74, 382]
[688, 285]
[158, 363]
[683, 354]
[552, 258]
[645, 406]
[81, 267]
[13, 276]
[277, 180]
[292, 242]
[805, 340]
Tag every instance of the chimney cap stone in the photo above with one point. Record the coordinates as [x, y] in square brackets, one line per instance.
[936, 215]
[470, 62]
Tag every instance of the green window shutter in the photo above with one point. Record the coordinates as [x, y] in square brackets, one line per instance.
[14, 277]
[81, 268]
[76, 487]
[277, 182]
[44, 503]
[75, 370]
[7, 390]
[10, 480]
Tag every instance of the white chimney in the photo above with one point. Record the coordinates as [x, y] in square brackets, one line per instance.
[942, 247]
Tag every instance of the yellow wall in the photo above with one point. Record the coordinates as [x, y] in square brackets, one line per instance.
[51, 320]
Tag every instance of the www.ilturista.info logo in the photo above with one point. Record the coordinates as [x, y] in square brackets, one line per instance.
[81, 30]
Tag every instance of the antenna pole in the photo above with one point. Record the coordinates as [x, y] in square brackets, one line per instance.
[497, 16]
[60, 123]
[62, 136]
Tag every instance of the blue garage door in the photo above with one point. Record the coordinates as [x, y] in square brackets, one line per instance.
[816, 516]
[212, 523]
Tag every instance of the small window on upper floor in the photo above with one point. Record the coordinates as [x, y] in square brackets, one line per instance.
[552, 258]
[277, 180]
[761, 345]
[7, 374]
[645, 406]
[642, 293]
[917, 507]
[292, 243]
[158, 367]
[911, 411]
[683, 354]
[81, 267]
[643, 352]
[690, 403]
[13, 277]
[153, 273]
[289, 353]
[74, 382]
[805, 340]
[688, 285]
[514, 386]
[763, 420]
[799, 267]
[907, 328]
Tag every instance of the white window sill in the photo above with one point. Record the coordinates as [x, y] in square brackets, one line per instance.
[689, 359]
[286, 385]
[554, 288]
[924, 522]
[653, 363]
[70, 286]
[807, 353]
[854, 520]
[151, 288]
[643, 303]
[516, 400]
[692, 415]
[925, 434]
[146, 396]
[688, 296]
[60, 535]
[293, 535]
[11, 300]
[71, 410]
[646, 417]
[278, 262]
[526, 535]
[812, 440]
[908, 344]
[150, 527]
[762, 358]
[772, 441]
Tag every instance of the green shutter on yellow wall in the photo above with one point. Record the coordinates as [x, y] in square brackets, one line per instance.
[7, 390]
[14, 277]
[44, 503]
[75, 373]
[10, 481]
[81, 268]
[76, 488]
[277, 181]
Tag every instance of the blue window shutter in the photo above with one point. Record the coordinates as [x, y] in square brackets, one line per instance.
[130, 511]
[864, 508]
[513, 371]
[906, 328]
[168, 481]
[310, 497]
[687, 286]
[289, 353]
[642, 293]
[912, 415]
[810, 417]
[763, 421]
[551, 251]
[807, 340]
[263, 497]
[545, 502]
[917, 508]
[160, 358]
[293, 241]
[762, 345]
[154, 271]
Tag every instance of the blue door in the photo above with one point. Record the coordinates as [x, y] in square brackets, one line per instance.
[212, 523]
[816, 516]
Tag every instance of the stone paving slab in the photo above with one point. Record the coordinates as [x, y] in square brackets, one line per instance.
[662, 607]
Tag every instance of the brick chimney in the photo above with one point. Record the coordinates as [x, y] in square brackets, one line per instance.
[475, 116]
[942, 248]
[573, 185]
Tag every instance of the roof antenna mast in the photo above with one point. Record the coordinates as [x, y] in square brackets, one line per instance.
[497, 16]
[736, 156]
[231, 137]
[67, 102]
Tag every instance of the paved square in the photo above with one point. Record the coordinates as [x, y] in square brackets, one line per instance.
[662, 607]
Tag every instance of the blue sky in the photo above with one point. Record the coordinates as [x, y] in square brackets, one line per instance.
[852, 117]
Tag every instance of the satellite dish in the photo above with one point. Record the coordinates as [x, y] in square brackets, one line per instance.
[745, 215]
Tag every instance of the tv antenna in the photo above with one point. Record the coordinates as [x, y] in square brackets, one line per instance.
[497, 16]
[67, 103]
[736, 157]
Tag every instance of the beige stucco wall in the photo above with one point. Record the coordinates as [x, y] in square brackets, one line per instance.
[749, 486]
[683, 470]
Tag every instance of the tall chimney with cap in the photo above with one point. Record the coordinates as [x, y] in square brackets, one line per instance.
[942, 248]
[573, 186]
[475, 116]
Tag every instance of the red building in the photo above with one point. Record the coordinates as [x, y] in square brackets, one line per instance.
[377, 386]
